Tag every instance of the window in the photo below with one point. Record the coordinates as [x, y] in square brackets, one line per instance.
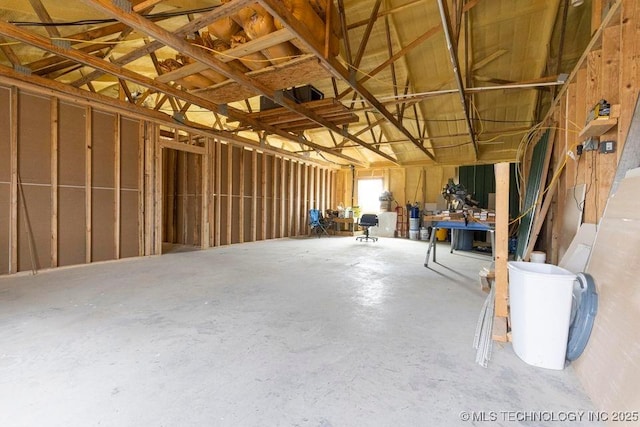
[369, 191]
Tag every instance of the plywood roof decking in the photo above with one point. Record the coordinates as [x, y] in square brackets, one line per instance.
[499, 42]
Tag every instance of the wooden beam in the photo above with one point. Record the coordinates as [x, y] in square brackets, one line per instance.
[157, 190]
[291, 185]
[254, 195]
[170, 39]
[277, 9]
[229, 55]
[54, 182]
[88, 131]
[298, 200]
[283, 193]
[183, 147]
[142, 129]
[229, 192]
[241, 210]
[218, 202]
[9, 53]
[274, 198]
[13, 196]
[192, 26]
[386, 12]
[204, 215]
[367, 33]
[453, 56]
[44, 17]
[263, 184]
[117, 211]
[488, 59]
[501, 250]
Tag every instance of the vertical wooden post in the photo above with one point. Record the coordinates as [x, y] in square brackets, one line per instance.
[13, 215]
[274, 201]
[218, 203]
[88, 182]
[54, 182]
[229, 192]
[241, 212]
[283, 193]
[305, 196]
[157, 202]
[117, 185]
[312, 187]
[291, 184]
[298, 198]
[323, 189]
[142, 141]
[204, 217]
[184, 190]
[501, 250]
[254, 194]
[263, 183]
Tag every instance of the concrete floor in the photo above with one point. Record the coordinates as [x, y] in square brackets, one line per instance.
[295, 332]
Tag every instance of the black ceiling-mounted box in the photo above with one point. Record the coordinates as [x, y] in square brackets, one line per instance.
[299, 95]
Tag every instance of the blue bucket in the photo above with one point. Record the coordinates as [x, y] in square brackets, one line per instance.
[414, 212]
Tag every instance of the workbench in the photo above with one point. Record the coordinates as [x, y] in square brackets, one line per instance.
[456, 224]
[346, 227]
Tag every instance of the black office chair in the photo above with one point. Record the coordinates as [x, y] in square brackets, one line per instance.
[367, 221]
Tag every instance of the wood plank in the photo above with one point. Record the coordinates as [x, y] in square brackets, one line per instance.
[263, 184]
[291, 186]
[298, 201]
[241, 210]
[254, 195]
[229, 193]
[229, 55]
[157, 190]
[142, 132]
[274, 199]
[13, 197]
[283, 193]
[54, 182]
[204, 216]
[218, 202]
[501, 250]
[117, 185]
[88, 183]
[148, 189]
[179, 146]
[305, 196]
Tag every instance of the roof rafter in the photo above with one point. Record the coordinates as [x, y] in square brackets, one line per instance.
[278, 10]
[38, 41]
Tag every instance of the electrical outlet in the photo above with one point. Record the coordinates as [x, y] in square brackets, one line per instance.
[590, 144]
[607, 147]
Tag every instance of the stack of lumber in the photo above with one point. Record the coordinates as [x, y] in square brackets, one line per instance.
[329, 109]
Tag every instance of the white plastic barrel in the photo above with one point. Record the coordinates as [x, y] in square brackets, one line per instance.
[540, 297]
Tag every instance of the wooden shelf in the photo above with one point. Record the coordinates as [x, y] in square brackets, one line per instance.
[598, 127]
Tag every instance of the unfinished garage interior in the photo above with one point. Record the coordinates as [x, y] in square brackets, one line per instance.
[160, 161]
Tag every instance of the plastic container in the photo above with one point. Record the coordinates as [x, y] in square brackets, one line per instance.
[538, 256]
[540, 297]
[414, 223]
[414, 234]
[424, 233]
[441, 234]
[414, 212]
[464, 240]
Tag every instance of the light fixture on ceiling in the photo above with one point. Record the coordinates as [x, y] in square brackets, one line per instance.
[576, 3]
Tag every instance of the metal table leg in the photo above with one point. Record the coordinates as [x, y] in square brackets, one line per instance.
[429, 246]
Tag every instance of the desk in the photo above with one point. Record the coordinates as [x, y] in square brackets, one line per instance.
[346, 227]
[456, 224]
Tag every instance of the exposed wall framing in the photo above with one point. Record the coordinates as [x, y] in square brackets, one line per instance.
[81, 183]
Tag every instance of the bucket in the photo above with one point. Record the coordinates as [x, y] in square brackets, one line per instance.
[414, 223]
[414, 234]
[539, 257]
[424, 234]
[441, 234]
[541, 297]
[414, 212]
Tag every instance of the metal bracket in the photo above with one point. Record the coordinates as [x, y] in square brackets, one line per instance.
[62, 44]
[223, 109]
[22, 69]
[125, 5]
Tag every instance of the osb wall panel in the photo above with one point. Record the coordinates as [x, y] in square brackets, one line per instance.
[34, 225]
[71, 147]
[129, 194]
[71, 226]
[102, 150]
[5, 178]
[102, 224]
[193, 199]
[34, 170]
[129, 227]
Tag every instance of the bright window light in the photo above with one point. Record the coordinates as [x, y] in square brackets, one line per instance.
[369, 191]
